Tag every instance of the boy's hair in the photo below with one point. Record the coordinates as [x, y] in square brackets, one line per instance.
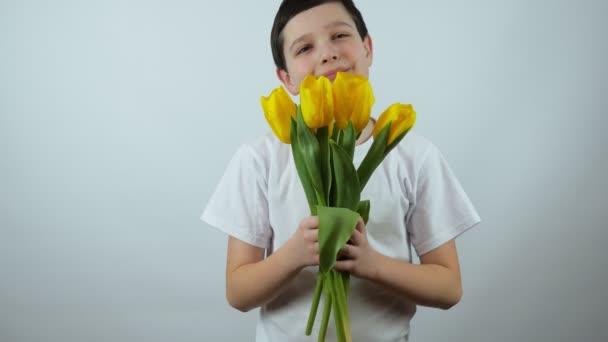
[291, 8]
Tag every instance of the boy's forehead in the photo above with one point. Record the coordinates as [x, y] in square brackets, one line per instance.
[318, 18]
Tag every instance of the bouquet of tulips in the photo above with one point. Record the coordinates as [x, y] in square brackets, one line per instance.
[322, 131]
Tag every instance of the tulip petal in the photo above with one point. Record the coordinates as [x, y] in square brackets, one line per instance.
[402, 117]
[279, 108]
[353, 100]
[316, 101]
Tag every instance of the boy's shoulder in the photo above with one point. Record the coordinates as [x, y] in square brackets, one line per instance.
[416, 140]
[264, 148]
[265, 143]
[415, 147]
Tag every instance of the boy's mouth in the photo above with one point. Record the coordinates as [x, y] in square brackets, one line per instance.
[331, 75]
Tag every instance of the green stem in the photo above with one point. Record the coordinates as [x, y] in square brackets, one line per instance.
[343, 300]
[346, 283]
[315, 305]
[340, 316]
[320, 199]
[326, 313]
[374, 157]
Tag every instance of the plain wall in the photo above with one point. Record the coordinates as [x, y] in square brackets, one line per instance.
[117, 119]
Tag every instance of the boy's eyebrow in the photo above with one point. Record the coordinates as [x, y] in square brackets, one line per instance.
[330, 25]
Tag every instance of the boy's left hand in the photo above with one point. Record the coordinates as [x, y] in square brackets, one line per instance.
[357, 257]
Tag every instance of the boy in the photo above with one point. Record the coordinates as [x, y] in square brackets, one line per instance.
[273, 244]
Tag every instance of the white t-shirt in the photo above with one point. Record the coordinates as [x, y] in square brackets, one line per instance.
[415, 201]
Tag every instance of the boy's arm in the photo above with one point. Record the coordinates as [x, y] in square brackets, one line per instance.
[252, 280]
[435, 282]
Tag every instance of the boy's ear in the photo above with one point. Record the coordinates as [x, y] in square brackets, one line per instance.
[283, 75]
[367, 43]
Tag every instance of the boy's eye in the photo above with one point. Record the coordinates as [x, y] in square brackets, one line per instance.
[341, 35]
[303, 49]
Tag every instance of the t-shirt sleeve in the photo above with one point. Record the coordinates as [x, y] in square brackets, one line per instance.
[239, 206]
[442, 210]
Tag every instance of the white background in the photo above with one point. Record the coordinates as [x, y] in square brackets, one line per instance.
[117, 119]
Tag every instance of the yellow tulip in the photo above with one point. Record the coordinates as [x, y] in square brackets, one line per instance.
[278, 109]
[402, 117]
[316, 101]
[353, 100]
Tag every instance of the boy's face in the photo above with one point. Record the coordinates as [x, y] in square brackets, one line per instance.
[322, 41]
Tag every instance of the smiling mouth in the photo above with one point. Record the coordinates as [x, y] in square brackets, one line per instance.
[332, 74]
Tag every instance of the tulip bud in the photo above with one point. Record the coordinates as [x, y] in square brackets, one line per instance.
[316, 101]
[279, 108]
[353, 100]
[402, 117]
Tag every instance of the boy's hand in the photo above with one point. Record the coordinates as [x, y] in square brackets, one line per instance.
[357, 257]
[304, 244]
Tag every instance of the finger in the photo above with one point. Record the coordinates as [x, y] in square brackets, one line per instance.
[360, 225]
[312, 235]
[344, 265]
[348, 251]
[357, 238]
[309, 222]
[342, 253]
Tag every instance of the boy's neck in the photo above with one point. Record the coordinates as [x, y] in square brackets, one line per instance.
[367, 132]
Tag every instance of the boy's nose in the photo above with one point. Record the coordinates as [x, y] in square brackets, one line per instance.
[329, 54]
[333, 57]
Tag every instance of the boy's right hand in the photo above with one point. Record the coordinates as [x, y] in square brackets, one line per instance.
[304, 244]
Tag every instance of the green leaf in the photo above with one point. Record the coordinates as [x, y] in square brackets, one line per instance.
[309, 150]
[346, 182]
[335, 135]
[374, 157]
[324, 160]
[309, 191]
[350, 137]
[336, 225]
[363, 210]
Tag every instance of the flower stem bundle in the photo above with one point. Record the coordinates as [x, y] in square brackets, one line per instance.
[322, 131]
